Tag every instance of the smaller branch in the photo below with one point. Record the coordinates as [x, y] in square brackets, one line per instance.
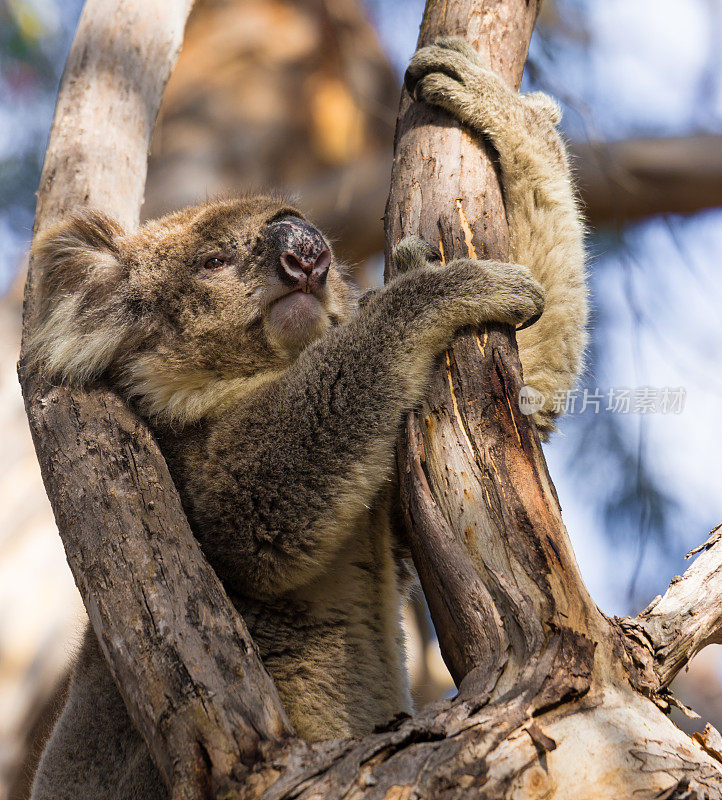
[689, 616]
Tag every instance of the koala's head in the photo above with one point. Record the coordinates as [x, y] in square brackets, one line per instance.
[190, 309]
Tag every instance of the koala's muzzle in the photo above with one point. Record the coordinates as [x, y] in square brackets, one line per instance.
[304, 257]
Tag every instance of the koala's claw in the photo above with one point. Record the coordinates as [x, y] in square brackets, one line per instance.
[413, 252]
[529, 322]
[438, 89]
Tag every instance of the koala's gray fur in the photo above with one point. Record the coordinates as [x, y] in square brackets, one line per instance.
[281, 445]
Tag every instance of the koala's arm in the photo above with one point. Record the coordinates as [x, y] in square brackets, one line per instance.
[279, 479]
[546, 230]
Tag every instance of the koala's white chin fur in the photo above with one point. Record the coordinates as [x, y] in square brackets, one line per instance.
[296, 319]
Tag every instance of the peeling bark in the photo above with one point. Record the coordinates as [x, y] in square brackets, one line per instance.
[471, 461]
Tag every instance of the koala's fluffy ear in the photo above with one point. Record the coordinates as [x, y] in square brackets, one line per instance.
[82, 324]
[74, 253]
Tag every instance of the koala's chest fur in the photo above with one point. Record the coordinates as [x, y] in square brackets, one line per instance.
[333, 646]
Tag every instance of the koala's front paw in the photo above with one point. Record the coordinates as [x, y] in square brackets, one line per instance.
[451, 75]
[413, 252]
[518, 292]
[449, 58]
[501, 292]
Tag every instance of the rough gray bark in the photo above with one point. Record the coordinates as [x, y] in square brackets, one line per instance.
[555, 698]
[689, 616]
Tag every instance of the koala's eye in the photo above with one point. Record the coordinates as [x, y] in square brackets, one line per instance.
[216, 262]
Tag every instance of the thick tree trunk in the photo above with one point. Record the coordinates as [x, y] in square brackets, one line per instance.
[473, 469]
[555, 699]
[485, 525]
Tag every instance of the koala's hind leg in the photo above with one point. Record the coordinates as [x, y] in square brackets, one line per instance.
[95, 752]
[546, 231]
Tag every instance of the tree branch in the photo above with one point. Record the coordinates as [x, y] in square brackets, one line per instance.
[627, 180]
[181, 655]
[689, 616]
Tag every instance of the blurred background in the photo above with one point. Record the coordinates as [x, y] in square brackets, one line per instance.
[302, 95]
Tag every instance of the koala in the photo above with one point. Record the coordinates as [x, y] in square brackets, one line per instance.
[276, 395]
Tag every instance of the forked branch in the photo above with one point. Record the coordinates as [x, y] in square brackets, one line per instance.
[541, 670]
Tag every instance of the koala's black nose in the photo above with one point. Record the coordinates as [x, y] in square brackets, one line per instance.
[304, 255]
[294, 265]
